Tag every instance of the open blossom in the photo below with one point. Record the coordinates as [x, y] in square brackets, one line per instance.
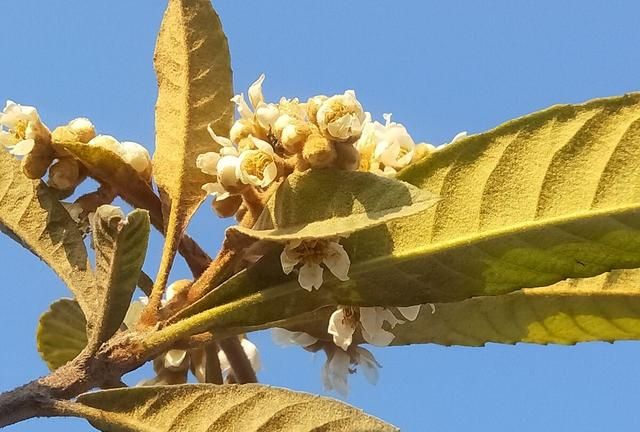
[264, 114]
[257, 167]
[386, 147]
[20, 128]
[341, 117]
[370, 320]
[311, 254]
[340, 364]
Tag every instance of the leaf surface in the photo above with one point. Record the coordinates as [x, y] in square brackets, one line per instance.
[329, 203]
[121, 246]
[193, 67]
[209, 407]
[546, 197]
[32, 215]
[61, 333]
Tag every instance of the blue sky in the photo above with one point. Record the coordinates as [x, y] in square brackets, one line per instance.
[439, 67]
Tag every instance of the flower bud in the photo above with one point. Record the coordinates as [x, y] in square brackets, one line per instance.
[294, 135]
[83, 129]
[319, 152]
[341, 117]
[227, 207]
[421, 150]
[313, 105]
[138, 157]
[34, 166]
[65, 174]
[241, 129]
[107, 142]
[228, 172]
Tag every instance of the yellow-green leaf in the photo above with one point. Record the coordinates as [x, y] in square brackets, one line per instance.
[193, 67]
[61, 333]
[121, 245]
[209, 407]
[328, 203]
[601, 308]
[30, 211]
[550, 196]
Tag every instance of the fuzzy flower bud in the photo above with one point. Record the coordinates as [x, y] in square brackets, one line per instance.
[319, 152]
[65, 174]
[227, 207]
[341, 117]
[241, 129]
[83, 129]
[138, 157]
[348, 157]
[313, 105]
[107, 142]
[294, 135]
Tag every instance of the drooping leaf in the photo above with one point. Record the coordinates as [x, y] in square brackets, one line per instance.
[329, 203]
[121, 246]
[601, 308]
[61, 333]
[193, 67]
[209, 407]
[550, 196]
[31, 213]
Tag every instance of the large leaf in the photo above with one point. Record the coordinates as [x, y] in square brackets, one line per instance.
[31, 213]
[550, 196]
[61, 333]
[209, 407]
[193, 66]
[121, 246]
[602, 308]
[327, 203]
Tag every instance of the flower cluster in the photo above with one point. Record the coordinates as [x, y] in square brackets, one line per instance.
[269, 139]
[43, 154]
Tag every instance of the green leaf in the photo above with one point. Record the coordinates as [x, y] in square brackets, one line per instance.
[602, 308]
[109, 168]
[121, 245]
[193, 67]
[32, 214]
[550, 196]
[209, 407]
[61, 333]
[329, 203]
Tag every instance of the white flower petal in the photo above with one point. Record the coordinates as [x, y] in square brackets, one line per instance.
[459, 136]
[341, 329]
[23, 148]
[242, 107]
[410, 312]
[337, 261]
[335, 372]
[221, 141]
[372, 319]
[255, 92]
[269, 174]
[208, 162]
[173, 358]
[288, 259]
[285, 337]
[310, 276]
[368, 364]
[252, 354]
[136, 155]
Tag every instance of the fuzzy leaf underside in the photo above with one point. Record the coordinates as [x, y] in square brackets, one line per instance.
[566, 214]
[208, 407]
[121, 246]
[193, 68]
[330, 203]
[33, 216]
[61, 333]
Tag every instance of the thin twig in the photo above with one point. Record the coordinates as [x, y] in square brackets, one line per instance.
[242, 369]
